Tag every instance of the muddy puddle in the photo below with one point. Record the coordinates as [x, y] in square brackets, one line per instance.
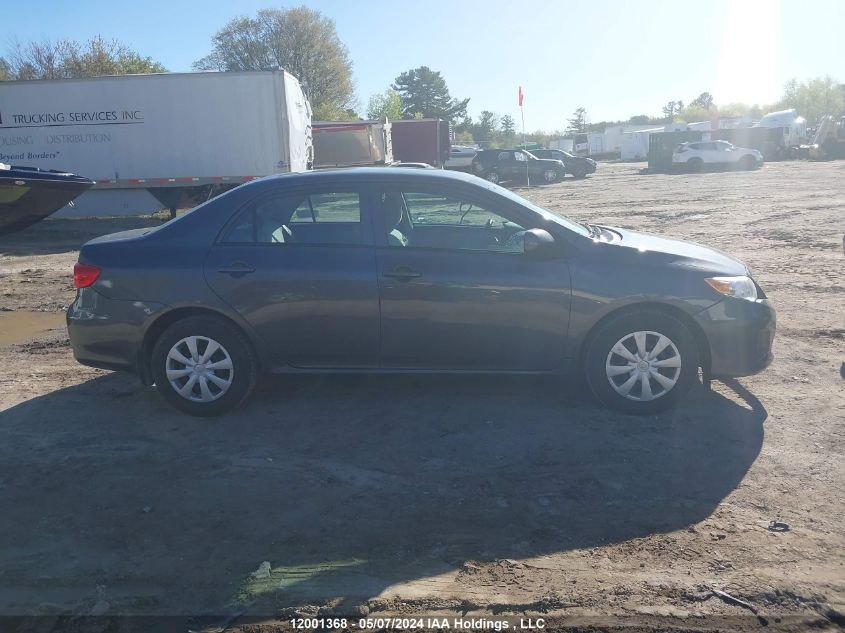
[21, 326]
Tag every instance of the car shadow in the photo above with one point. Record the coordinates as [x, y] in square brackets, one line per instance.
[347, 485]
[677, 170]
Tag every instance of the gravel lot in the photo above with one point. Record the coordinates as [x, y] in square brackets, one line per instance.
[424, 495]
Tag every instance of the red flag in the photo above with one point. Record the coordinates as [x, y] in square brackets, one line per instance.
[521, 96]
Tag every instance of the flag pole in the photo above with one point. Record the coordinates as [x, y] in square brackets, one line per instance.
[522, 116]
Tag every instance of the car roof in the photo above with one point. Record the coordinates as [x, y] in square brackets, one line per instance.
[361, 174]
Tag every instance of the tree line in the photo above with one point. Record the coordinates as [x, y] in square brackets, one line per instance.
[304, 42]
[813, 99]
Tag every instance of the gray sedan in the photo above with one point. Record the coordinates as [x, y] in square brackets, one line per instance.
[400, 270]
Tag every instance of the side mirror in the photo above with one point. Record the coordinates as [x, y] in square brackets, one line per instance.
[538, 243]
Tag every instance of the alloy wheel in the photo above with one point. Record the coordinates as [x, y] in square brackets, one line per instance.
[643, 366]
[199, 369]
[550, 175]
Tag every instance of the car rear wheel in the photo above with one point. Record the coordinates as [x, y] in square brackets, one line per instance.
[641, 362]
[695, 164]
[204, 366]
[551, 175]
[492, 176]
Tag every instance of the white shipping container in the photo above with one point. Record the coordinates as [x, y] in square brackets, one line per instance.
[564, 144]
[635, 144]
[171, 130]
[613, 135]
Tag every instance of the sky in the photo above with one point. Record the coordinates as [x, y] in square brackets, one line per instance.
[615, 58]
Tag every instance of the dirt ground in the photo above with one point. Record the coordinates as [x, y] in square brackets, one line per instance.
[424, 495]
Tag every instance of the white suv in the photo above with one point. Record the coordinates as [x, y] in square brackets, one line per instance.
[696, 155]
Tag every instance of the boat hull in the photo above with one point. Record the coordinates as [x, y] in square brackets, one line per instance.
[30, 195]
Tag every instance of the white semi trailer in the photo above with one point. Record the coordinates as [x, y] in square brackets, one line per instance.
[172, 135]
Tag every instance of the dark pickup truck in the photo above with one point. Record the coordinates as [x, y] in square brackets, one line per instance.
[498, 165]
[578, 166]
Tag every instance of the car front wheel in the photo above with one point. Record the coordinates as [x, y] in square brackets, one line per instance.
[695, 164]
[493, 176]
[204, 366]
[551, 175]
[748, 163]
[641, 362]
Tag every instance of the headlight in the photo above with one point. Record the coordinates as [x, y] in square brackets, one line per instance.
[740, 287]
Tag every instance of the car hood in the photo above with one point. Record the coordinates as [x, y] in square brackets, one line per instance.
[681, 253]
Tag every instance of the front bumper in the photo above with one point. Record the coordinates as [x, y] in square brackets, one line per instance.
[740, 334]
[108, 333]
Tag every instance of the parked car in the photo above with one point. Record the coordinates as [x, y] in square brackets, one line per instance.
[499, 165]
[460, 157]
[694, 156]
[578, 166]
[409, 270]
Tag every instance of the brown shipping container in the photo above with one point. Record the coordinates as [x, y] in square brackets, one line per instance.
[421, 141]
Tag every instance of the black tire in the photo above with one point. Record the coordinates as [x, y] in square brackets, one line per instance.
[551, 176]
[492, 176]
[695, 164]
[748, 163]
[615, 330]
[579, 174]
[244, 372]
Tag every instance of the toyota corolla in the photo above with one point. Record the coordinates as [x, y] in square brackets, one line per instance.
[401, 270]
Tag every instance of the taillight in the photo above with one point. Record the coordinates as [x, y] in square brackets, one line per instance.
[84, 275]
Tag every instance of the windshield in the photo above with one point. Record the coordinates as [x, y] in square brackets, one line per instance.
[547, 215]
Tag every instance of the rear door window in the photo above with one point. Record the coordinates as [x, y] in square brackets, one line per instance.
[317, 218]
[328, 207]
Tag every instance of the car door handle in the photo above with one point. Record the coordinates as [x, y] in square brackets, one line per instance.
[236, 269]
[402, 273]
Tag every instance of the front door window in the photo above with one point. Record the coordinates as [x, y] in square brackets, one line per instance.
[445, 221]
